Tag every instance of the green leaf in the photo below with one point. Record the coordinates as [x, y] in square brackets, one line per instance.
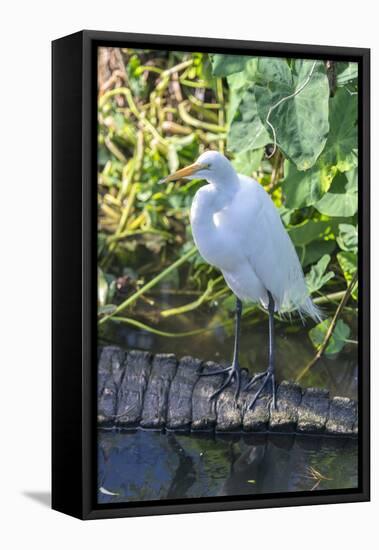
[249, 161]
[346, 72]
[317, 278]
[237, 83]
[229, 303]
[352, 180]
[305, 188]
[301, 122]
[348, 237]
[247, 131]
[316, 249]
[273, 70]
[341, 205]
[348, 264]
[309, 231]
[342, 198]
[338, 339]
[285, 214]
[342, 143]
[223, 65]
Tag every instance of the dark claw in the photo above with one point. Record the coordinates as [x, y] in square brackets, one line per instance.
[273, 402]
[233, 371]
[237, 373]
[268, 376]
[224, 385]
[256, 377]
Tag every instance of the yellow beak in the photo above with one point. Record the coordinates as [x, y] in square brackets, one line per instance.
[184, 172]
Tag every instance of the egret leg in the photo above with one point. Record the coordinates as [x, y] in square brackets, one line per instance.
[268, 377]
[234, 371]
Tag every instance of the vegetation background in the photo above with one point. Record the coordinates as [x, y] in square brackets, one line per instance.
[290, 124]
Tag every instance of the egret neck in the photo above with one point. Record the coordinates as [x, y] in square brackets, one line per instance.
[212, 199]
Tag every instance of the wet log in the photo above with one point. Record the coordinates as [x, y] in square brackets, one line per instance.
[138, 389]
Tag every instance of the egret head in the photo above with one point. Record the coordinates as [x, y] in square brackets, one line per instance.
[211, 165]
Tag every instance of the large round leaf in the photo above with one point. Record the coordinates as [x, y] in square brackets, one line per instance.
[342, 198]
[245, 163]
[346, 73]
[342, 205]
[247, 131]
[342, 143]
[309, 231]
[301, 122]
[305, 188]
[223, 65]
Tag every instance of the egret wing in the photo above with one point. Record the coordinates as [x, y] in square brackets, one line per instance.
[272, 254]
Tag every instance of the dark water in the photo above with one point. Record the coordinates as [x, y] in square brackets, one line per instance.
[149, 465]
[144, 465]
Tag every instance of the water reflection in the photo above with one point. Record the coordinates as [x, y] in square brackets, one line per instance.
[141, 465]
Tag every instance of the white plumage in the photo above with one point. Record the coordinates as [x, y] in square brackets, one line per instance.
[238, 229]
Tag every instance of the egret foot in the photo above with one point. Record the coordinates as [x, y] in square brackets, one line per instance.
[269, 375]
[268, 378]
[233, 373]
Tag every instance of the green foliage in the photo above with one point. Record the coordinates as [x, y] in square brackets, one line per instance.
[170, 107]
[248, 162]
[342, 142]
[348, 264]
[338, 339]
[223, 65]
[301, 123]
[309, 231]
[304, 188]
[247, 130]
[348, 237]
[317, 276]
[347, 73]
[342, 198]
[316, 249]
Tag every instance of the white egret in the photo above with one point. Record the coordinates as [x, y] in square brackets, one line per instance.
[237, 229]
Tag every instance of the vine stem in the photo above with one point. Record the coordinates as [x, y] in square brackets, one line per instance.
[195, 332]
[134, 297]
[331, 328]
[142, 326]
[195, 304]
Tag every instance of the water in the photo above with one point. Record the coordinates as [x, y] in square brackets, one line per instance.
[143, 466]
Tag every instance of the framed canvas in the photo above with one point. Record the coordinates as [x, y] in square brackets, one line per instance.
[210, 274]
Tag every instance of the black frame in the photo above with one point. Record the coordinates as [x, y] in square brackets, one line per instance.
[74, 333]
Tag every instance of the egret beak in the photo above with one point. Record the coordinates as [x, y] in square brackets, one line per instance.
[184, 172]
